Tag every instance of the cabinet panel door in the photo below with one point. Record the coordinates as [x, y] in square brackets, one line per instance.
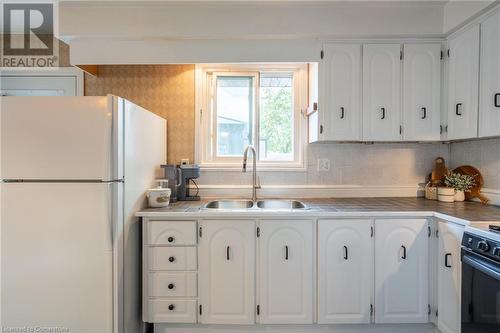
[463, 85]
[340, 109]
[449, 273]
[381, 92]
[286, 272]
[227, 269]
[401, 271]
[489, 101]
[345, 253]
[422, 86]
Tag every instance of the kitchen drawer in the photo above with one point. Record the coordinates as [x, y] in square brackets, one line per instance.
[172, 258]
[171, 233]
[172, 311]
[163, 284]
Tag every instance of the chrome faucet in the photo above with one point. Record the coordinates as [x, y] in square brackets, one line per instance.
[256, 182]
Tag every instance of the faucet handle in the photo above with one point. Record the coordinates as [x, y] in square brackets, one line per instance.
[258, 183]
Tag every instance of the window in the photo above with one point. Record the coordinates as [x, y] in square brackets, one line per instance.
[234, 110]
[259, 105]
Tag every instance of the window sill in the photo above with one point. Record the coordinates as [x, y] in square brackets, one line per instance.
[237, 167]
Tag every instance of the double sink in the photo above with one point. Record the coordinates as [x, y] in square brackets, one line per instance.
[261, 204]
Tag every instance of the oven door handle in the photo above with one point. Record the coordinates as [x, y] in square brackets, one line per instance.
[482, 267]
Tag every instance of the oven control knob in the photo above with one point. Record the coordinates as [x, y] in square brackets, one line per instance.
[496, 251]
[483, 246]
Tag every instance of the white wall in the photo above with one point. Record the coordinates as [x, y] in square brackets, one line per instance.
[458, 11]
[173, 32]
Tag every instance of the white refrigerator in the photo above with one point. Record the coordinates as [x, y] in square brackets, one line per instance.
[74, 171]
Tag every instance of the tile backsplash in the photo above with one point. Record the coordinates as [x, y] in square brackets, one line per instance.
[350, 164]
[484, 155]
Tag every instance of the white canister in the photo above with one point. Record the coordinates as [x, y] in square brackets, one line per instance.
[446, 194]
[158, 197]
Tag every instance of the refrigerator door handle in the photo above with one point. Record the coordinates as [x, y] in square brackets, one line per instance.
[115, 208]
[117, 105]
[111, 213]
[111, 210]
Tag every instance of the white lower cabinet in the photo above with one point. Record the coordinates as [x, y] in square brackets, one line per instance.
[263, 271]
[401, 271]
[172, 310]
[285, 272]
[227, 272]
[449, 274]
[345, 271]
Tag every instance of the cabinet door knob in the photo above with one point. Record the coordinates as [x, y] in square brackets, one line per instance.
[171, 307]
[171, 286]
[497, 100]
[424, 114]
[286, 252]
[171, 259]
[346, 255]
[383, 113]
[228, 249]
[171, 239]
[458, 108]
[404, 252]
[446, 256]
[342, 112]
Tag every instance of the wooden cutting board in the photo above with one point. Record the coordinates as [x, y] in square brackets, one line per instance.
[475, 192]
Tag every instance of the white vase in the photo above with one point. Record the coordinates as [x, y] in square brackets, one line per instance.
[446, 194]
[459, 195]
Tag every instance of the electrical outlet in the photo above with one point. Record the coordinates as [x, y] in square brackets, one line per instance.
[323, 164]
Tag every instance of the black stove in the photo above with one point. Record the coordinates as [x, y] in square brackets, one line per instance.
[481, 280]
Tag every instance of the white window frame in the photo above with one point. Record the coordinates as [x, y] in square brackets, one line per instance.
[205, 132]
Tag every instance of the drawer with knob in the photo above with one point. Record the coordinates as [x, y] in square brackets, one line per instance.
[171, 233]
[166, 284]
[172, 311]
[172, 258]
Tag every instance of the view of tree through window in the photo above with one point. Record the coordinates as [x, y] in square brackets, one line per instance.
[237, 106]
[276, 117]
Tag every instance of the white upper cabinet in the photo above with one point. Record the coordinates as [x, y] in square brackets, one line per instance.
[285, 272]
[227, 272]
[401, 271]
[340, 86]
[489, 101]
[382, 92]
[463, 84]
[421, 92]
[345, 254]
[449, 273]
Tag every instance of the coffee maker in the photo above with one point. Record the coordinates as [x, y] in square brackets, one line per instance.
[174, 180]
[187, 173]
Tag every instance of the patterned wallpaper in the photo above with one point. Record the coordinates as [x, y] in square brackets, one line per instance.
[167, 90]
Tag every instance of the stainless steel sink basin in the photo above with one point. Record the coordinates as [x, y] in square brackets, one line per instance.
[229, 204]
[280, 204]
[261, 204]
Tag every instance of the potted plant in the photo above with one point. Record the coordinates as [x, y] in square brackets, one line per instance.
[460, 183]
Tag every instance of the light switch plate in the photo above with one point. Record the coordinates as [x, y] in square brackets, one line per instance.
[323, 164]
